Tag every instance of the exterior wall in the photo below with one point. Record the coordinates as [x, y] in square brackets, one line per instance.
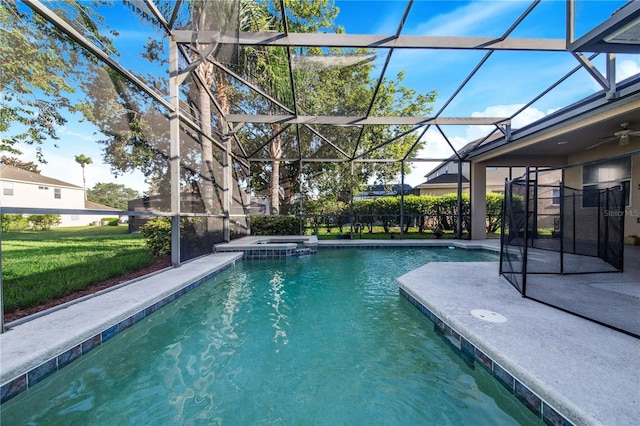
[444, 190]
[31, 195]
[42, 196]
[497, 175]
[478, 201]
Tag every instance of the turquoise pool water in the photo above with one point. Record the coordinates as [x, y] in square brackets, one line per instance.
[322, 339]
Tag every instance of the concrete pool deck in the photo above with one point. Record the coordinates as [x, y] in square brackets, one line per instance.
[589, 373]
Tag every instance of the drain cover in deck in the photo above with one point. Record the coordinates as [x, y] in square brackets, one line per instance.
[490, 316]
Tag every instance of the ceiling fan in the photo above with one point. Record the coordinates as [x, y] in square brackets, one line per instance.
[622, 135]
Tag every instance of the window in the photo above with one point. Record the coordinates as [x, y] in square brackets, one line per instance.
[7, 189]
[556, 197]
[606, 174]
[57, 193]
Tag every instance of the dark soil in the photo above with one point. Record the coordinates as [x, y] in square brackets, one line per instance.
[159, 263]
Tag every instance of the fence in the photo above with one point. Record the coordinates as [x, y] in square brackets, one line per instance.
[554, 236]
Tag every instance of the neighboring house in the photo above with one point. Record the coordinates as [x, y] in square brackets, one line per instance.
[376, 191]
[440, 184]
[444, 178]
[24, 189]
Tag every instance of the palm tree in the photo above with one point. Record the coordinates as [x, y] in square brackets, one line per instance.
[83, 160]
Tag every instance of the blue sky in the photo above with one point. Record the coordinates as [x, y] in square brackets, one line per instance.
[508, 79]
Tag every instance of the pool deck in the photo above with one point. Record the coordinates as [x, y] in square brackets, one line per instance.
[587, 372]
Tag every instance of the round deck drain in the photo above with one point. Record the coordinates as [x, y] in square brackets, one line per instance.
[490, 316]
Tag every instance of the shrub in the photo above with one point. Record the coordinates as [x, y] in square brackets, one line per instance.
[275, 225]
[14, 222]
[157, 236]
[44, 222]
[110, 221]
[494, 211]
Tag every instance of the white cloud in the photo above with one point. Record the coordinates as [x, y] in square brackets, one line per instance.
[467, 19]
[627, 68]
[435, 147]
[528, 116]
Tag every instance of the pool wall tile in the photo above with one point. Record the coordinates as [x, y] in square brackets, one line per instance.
[149, 310]
[68, 356]
[125, 323]
[42, 371]
[472, 355]
[91, 343]
[503, 377]
[552, 417]
[137, 317]
[484, 360]
[13, 388]
[109, 333]
[21, 383]
[528, 398]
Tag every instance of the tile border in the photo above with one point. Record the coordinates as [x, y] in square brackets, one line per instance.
[29, 379]
[472, 355]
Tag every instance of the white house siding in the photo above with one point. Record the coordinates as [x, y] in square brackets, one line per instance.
[45, 193]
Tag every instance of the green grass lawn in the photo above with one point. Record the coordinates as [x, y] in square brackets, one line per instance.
[39, 266]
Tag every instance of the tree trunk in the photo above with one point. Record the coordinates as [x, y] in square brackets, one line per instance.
[206, 164]
[275, 151]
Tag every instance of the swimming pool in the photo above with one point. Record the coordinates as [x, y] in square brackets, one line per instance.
[323, 339]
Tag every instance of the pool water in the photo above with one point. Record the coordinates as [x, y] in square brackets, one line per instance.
[323, 339]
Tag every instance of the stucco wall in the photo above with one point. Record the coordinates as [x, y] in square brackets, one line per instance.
[31, 195]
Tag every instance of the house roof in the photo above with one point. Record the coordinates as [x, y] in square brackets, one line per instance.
[444, 179]
[90, 205]
[11, 173]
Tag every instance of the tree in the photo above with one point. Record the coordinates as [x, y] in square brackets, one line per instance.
[29, 166]
[112, 195]
[269, 67]
[39, 66]
[393, 99]
[83, 160]
[44, 222]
